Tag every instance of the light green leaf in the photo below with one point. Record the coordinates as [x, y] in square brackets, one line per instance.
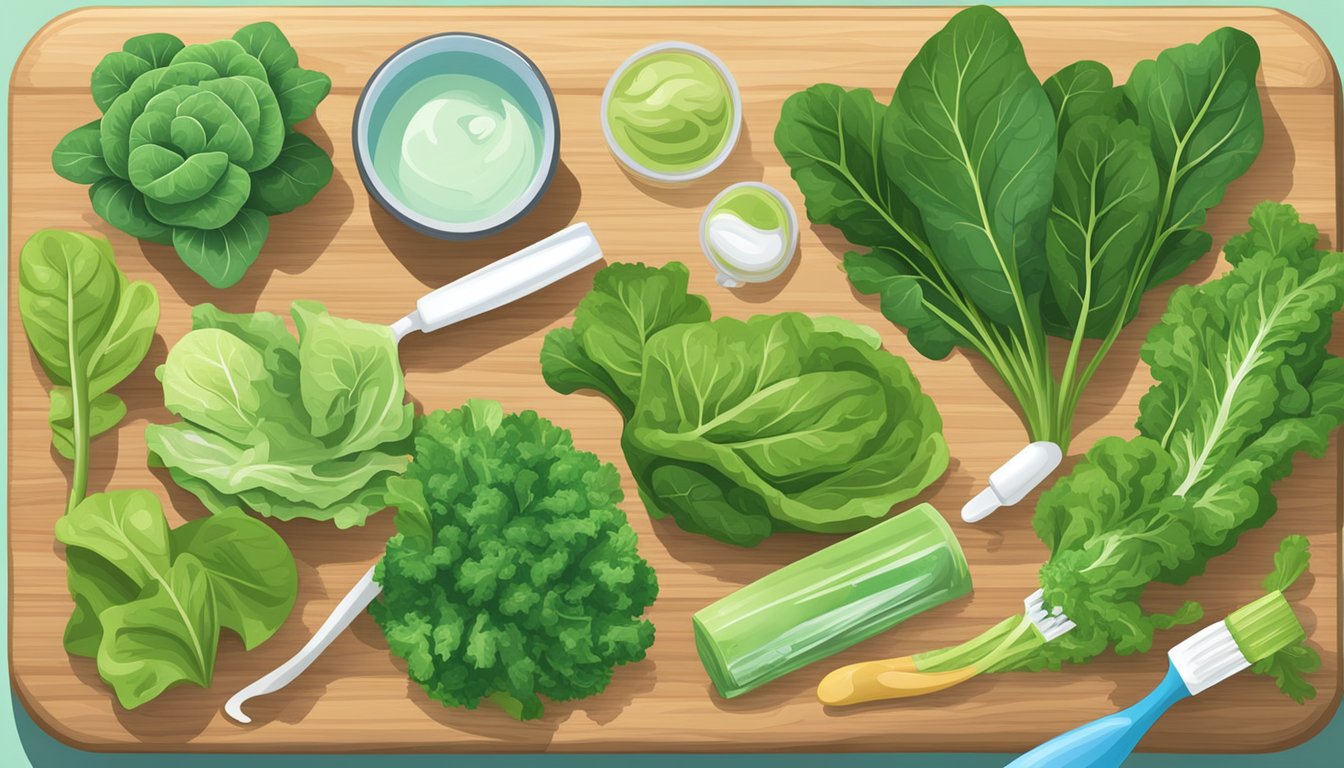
[352, 383]
[168, 636]
[1290, 562]
[251, 572]
[105, 412]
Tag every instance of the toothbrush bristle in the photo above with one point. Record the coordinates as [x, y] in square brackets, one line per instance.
[1051, 624]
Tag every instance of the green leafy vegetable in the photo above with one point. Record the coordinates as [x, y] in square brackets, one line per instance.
[1244, 383]
[196, 145]
[1290, 666]
[312, 427]
[150, 601]
[513, 573]
[89, 328]
[738, 429]
[995, 209]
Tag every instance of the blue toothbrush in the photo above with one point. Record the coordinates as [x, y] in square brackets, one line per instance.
[1208, 657]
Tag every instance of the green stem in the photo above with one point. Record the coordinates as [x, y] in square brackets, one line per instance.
[79, 397]
[996, 649]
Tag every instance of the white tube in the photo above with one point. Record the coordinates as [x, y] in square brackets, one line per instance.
[1011, 482]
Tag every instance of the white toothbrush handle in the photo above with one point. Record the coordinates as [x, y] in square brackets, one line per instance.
[351, 606]
[504, 281]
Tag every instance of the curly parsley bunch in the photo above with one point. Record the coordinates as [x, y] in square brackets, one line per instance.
[513, 574]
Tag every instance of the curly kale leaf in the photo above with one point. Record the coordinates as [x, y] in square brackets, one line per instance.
[513, 574]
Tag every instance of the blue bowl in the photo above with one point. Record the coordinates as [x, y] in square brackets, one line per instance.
[456, 53]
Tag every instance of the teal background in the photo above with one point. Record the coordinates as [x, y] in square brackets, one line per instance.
[24, 744]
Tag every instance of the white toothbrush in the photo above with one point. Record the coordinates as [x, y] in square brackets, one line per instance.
[509, 279]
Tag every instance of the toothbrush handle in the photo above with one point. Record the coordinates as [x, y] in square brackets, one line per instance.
[509, 279]
[1107, 742]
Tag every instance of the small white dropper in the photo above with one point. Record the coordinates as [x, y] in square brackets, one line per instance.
[1011, 482]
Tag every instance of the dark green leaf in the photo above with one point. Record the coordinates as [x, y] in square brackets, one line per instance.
[79, 156]
[157, 49]
[1202, 110]
[300, 171]
[123, 206]
[1084, 89]
[264, 41]
[969, 95]
[217, 207]
[1104, 212]
[222, 256]
[299, 91]
[113, 77]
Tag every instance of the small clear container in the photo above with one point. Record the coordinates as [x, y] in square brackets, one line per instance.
[711, 163]
[738, 248]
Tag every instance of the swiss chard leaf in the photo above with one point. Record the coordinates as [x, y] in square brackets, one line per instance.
[971, 140]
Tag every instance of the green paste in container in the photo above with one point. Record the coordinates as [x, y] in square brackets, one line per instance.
[458, 148]
[671, 112]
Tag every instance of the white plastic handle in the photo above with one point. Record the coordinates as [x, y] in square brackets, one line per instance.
[504, 281]
[352, 605]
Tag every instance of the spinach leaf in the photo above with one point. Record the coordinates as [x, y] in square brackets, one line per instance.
[150, 601]
[1200, 107]
[994, 210]
[1104, 211]
[1084, 89]
[972, 142]
[89, 328]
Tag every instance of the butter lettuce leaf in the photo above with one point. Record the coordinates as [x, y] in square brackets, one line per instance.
[311, 427]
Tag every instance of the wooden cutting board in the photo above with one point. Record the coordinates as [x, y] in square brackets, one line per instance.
[344, 250]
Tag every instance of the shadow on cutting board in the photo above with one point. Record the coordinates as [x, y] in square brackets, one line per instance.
[629, 682]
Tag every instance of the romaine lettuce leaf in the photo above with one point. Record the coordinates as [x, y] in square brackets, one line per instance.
[737, 429]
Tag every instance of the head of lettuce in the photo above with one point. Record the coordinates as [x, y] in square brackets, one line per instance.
[196, 146]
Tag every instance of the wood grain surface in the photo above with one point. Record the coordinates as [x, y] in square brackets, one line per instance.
[344, 250]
